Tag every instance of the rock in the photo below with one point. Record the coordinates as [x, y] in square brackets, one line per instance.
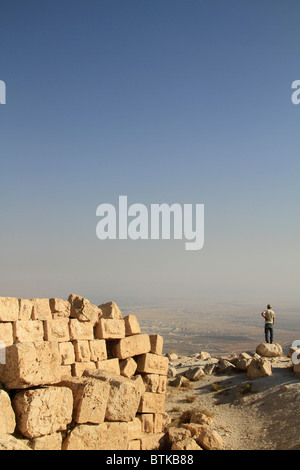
[152, 403]
[243, 362]
[25, 309]
[172, 356]
[200, 418]
[83, 310]
[186, 444]
[41, 309]
[43, 411]
[172, 372]
[6, 333]
[105, 436]
[152, 364]
[153, 441]
[209, 369]
[132, 326]
[204, 356]
[175, 434]
[8, 442]
[81, 330]
[110, 310]
[179, 381]
[98, 350]
[60, 308]
[109, 365]
[9, 309]
[210, 440]
[131, 346]
[49, 442]
[156, 342]
[225, 367]
[194, 428]
[57, 330]
[155, 383]
[110, 328]
[194, 373]
[259, 367]
[7, 415]
[269, 350]
[128, 367]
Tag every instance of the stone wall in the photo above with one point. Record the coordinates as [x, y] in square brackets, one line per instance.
[79, 376]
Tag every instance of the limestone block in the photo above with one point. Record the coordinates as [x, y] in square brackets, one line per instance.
[9, 442]
[153, 441]
[131, 346]
[259, 367]
[67, 353]
[9, 309]
[151, 382]
[158, 423]
[153, 364]
[147, 422]
[25, 309]
[43, 411]
[7, 415]
[156, 344]
[128, 367]
[124, 398]
[79, 367]
[31, 364]
[109, 365]
[98, 350]
[105, 436]
[162, 386]
[132, 326]
[109, 328]
[80, 330]
[49, 442]
[6, 333]
[41, 309]
[28, 331]
[152, 403]
[134, 429]
[59, 307]
[110, 310]
[83, 310]
[82, 351]
[90, 399]
[135, 444]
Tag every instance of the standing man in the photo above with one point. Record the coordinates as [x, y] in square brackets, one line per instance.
[269, 317]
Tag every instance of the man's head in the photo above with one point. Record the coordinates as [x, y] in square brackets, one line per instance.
[269, 306]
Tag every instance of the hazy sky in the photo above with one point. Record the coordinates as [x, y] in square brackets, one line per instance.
[164, 101]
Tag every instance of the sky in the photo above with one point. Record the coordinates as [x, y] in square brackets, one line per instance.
[165, 101]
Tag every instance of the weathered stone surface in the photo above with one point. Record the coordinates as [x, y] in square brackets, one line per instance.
[90, 399]
[186, 444]
[134, 429]
[25, 309]
[210, 440]
[80, 330]
[128, 367]
[28, 331]
[109, 365]
[152, 403]
[60, 308]
[7, 415]
[153, 441]
[31, 364]
[105, 436]
[6, 333]
[135, 444]
[98, 350]
[153, 364]
[157, 343]
[67, 353]
[41, 309]
[132, 326]
[109, 328]
[225, 367]
[79, 368]
[152, 382]
[147, 422]
[243, 362]
[195, 428]
[57, 330]
[158, 422]
[110, 310]
[124, 398]
[9, 309]
[194, 373]
[131, 346]
[269, 350]
[200, 418]
[43, 411]
[8, 442]
[82, 351]
[259, 367]
[175, 434]
[83, 310]
[49, 442]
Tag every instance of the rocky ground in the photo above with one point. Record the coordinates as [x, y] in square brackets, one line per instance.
[256, 414]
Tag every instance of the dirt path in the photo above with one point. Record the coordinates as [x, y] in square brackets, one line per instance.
[249, 415]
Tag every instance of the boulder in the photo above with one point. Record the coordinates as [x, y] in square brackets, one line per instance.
[210, 440]
[131, 346]
[194, 373]
[269, 350]
[83, 310]
[243, 361]
[110, 310]
[259, 367]
[7, 415]
[9, 309]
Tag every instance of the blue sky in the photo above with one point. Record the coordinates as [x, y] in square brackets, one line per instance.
[163, 101]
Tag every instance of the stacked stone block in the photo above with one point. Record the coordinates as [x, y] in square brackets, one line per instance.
[80, 376]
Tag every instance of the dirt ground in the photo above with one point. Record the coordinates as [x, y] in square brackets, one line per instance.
[259, 414]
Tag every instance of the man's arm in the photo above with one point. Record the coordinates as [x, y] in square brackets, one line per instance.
[263, 314]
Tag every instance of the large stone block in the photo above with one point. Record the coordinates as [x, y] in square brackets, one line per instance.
[152, 403]
[152, 364]
[152, 441]
[131, 346]
[83, 310]
[79, 367]
[108, 328]
[81, 330]
[49, 442]
[57, 330]
[90, 399]
[98, 350]
[9, 309]
[269, 350]
[41, 309]
[6, 333]
[132, 326]
[128, 367]
[7, 415]
[105, 436]
[124, 397]
[60, 308]
[156, 344]
[155, 383]
[109, 365]
[28, 331]
[31, 364]
[110, 310]
[25, 309]
[82, 351]
[43, 411]
[67, 353]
